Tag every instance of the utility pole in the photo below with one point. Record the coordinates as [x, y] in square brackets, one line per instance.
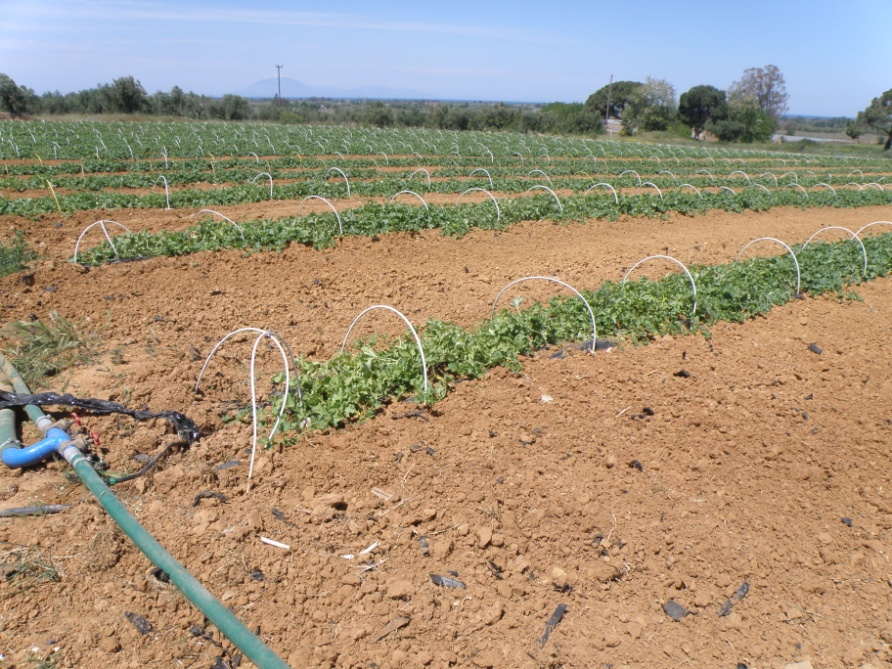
[607, 113]
[279, 74]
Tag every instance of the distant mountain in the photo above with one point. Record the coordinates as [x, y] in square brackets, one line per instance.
[292, 88]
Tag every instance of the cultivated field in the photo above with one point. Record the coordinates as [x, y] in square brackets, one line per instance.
[722, 458]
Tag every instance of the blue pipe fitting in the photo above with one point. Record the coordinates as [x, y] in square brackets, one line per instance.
[14, 455]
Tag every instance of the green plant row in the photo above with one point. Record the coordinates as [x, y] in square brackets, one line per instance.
[133, 141]
[357, 384]
[321, 230]
[369, 182]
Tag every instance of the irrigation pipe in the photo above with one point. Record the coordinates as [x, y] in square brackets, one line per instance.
[230, 626]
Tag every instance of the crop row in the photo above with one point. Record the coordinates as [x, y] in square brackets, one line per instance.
[320, 230]
[371, 182]
[107, 141]
[356, 384]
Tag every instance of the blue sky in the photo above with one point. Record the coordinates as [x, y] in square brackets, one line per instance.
[835, 56]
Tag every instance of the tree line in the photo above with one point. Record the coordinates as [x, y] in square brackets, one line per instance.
[749, 111]
[126, 95]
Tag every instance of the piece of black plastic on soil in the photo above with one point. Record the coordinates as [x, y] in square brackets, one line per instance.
[208, 494]
[552, 623]
[234, 663]
[142, 625]
[424, 545]
[675, 610]
[446, 582]
[184, 426]
[736, 597]
[814, 348]
[847, 522]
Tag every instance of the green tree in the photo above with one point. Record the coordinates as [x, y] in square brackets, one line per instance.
[852, 130]
[124, 95]
[230, 108]
[56, 103]
[745, 122]
[652, 107]
[878, 116]
[563, 118]
[15, 99]
[379, 115]
[620, 95]
[700, 104]
[763, 85]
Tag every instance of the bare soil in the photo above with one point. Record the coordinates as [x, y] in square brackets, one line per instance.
[613, 484]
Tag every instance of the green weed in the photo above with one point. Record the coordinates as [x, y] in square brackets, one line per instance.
[40, 350]
[15, 255]
[27, 566]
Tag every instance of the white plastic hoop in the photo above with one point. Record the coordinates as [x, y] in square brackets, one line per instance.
[405, 320]
[553, 194]
[426, 173]
[853, 235]
[409, 192]
[652, 185]
[486, 172]
[864, 227]
[341, 172]
[677, 262]
[101, 225]
[606, 185]
[270, 177]
[237, 226]
[531, 172]
[789, 250]
[282, 346]
[494, 201]
[557, 281]
[319, 197]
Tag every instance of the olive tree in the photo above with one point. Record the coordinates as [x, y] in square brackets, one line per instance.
[652, 106]
[763, 85]
[878, 116]
[15, 99]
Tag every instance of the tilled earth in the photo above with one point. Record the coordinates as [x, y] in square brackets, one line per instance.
[737, 483]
